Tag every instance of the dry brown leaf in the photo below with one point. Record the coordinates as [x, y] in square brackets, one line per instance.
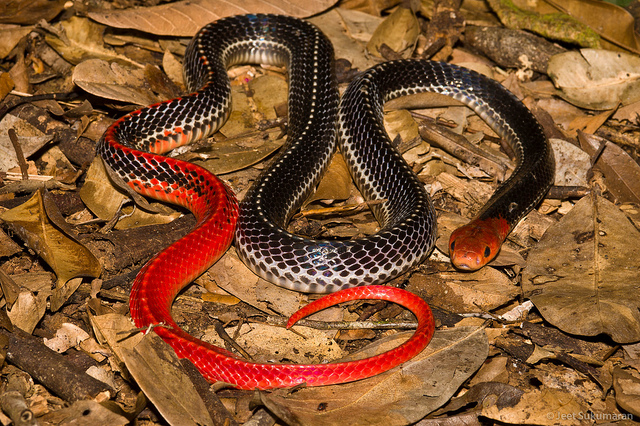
[66, 257]
[113, 81]
[400, 396]
[581, 269]
[235, 154]
[78, 39]
[105, 201]
[98, 194]
[234, 277]
[156, 368]
[29, 11]
[596, 79]
[184, 18]
[31, 304]
[485, 289]
[618, 167]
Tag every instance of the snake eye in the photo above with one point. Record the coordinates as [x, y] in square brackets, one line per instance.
[487, 251]
[453, 245]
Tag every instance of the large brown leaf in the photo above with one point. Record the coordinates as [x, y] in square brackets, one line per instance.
[400, 396]
[584, 275]
[184, 18]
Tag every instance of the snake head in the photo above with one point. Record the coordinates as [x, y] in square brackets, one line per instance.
[474, 245]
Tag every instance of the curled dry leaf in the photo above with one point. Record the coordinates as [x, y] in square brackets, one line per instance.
[67, 258]
[184, 18]
[400, 396]
[596, 79]
[580, 277]
[335, 184]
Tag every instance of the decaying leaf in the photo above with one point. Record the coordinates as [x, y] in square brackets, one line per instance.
[400, 396]
[581, 269]
[66, 257]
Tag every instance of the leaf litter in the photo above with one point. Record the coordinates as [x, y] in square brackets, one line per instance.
[574, 258]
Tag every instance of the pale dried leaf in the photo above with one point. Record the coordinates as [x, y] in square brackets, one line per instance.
[184, 18]
[84, 412]
[349, 32]
[596, 79]
[572, 163]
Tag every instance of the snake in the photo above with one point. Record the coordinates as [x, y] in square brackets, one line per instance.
[319, 122]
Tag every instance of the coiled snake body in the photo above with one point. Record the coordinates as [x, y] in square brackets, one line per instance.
[407, 216]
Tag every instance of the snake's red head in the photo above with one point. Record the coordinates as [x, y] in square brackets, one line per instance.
[474, 245]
